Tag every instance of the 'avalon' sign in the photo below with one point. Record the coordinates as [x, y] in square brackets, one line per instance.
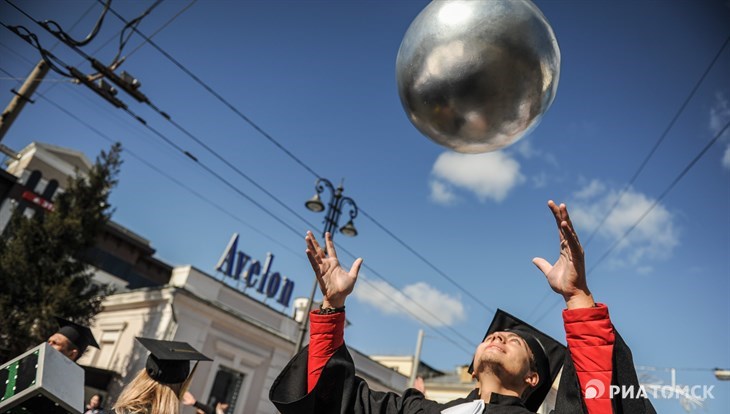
[233, 264]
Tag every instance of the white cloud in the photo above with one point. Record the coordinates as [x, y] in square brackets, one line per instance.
[726, 158]
[420, 299]
[527, 151]
[489, 176]
[540, 180]
[441, 193]
[653, 238]
[593, 188]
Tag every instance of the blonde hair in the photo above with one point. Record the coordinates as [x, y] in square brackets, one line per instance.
[146, 396]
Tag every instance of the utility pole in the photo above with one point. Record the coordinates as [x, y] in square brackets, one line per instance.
[22, 97]
[416, 359]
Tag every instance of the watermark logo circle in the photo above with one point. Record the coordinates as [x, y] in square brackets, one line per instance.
[594, 389]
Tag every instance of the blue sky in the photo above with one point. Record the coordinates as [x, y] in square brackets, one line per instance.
[319, 77]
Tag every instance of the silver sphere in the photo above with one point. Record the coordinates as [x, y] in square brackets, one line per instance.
[476, 76]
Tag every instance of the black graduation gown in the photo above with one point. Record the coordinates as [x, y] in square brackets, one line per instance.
[339, 391]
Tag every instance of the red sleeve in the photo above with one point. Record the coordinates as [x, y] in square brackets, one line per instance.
[326, 335]
[590, 338]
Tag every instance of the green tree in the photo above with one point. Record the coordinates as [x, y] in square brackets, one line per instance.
[42, 269]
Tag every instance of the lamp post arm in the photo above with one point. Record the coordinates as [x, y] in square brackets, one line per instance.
[320, 184]
[353, 206]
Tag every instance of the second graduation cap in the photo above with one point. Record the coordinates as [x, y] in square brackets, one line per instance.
[169, 361]
[549, 354]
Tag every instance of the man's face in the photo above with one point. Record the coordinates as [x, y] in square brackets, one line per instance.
[61, 344]
[506, 354]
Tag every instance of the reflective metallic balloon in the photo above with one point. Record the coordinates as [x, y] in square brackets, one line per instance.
[475, 76]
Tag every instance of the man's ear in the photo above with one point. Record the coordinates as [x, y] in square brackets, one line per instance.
[74, 354]
[532, 378]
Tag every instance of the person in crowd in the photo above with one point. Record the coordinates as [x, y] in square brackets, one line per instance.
[94, 405]
[158, 387]
[72, 339]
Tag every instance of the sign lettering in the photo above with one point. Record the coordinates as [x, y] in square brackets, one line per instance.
[241, 267]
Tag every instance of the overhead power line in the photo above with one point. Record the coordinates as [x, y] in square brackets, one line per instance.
[66, 38]
[220, 98]
[161, 28]
[119, 34]
[76, 23]
[431, 265]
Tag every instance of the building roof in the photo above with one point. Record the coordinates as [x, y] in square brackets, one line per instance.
[66, 162]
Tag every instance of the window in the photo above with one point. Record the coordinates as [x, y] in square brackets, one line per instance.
[226, 387]
[107, 348]
[104, 357]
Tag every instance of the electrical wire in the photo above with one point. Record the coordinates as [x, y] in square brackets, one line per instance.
[106, 42]
[431, 265]
[44, 80]
[66, 38]
[169, 177]
[133, 25]
[32, 39]
[76, 23]
[161, 28]
[220, 98]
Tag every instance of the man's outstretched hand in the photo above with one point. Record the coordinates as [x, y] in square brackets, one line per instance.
[334, 281]
[567, 276]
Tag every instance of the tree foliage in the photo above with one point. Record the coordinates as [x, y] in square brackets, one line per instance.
[42, 268]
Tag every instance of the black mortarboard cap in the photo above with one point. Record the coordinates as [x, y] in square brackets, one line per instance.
[549, 354]
[79, 335]
[169, 361]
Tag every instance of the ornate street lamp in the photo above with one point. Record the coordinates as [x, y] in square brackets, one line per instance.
[331, 221]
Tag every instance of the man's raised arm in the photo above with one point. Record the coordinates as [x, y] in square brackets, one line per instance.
[588, 328]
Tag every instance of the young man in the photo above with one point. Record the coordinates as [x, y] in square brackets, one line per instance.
[515, 364]
[72, 339]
